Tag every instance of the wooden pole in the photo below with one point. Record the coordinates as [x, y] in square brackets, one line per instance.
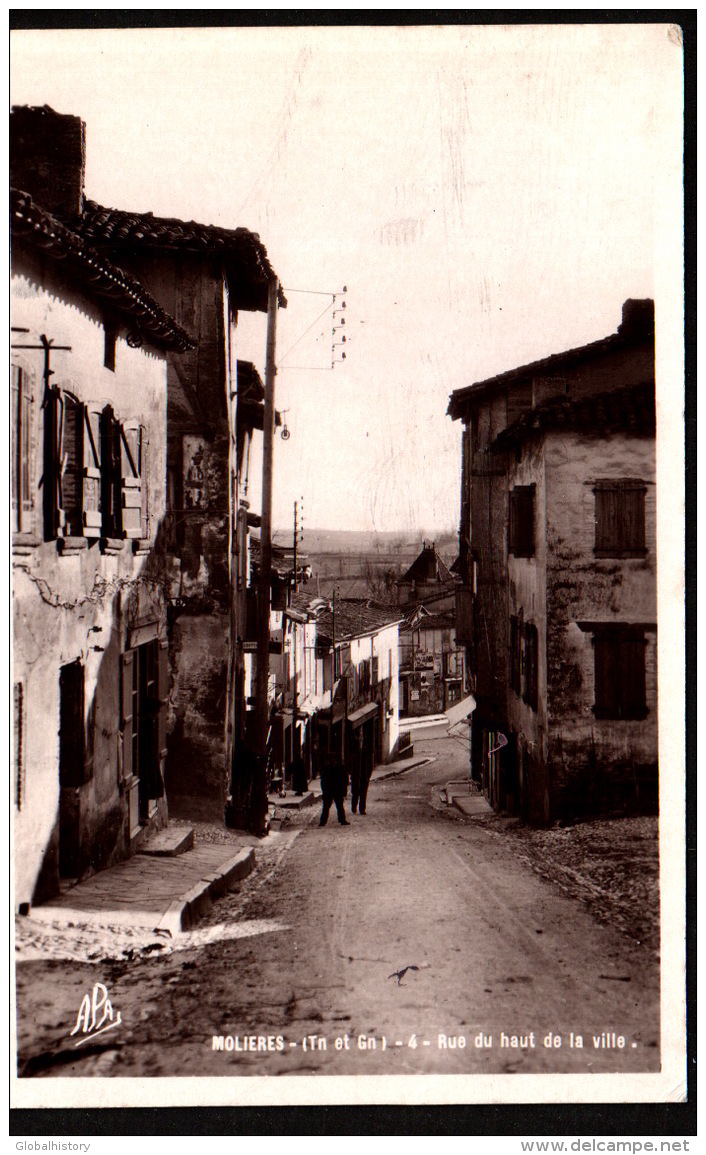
[258, 804]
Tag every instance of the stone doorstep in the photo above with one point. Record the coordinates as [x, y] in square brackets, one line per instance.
[292, 802]
[469, 804]
[181, 913]
[168, 843]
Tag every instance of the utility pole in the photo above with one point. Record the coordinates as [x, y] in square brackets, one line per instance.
[258, 801]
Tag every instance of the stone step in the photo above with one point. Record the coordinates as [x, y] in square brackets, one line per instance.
[170, 842]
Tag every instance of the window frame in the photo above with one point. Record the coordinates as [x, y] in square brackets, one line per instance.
[622, 533]
[521, 523]
[23, 508]
[629, 699]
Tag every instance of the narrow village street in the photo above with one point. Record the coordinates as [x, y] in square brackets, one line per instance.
[498, 961]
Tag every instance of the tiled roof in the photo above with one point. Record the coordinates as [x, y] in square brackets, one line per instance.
[282, 560]
[444, 621]
[428, 567]
[354, 619]
[244, 255]
[630, 410]
[637, 326]
[32, 225]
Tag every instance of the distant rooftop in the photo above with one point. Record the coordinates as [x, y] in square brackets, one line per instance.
[428, 567]
[354, 619]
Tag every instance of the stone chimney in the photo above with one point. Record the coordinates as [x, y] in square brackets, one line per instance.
[638, 318]
[48, 158]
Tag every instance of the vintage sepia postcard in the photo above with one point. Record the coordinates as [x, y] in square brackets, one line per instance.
[347, 552]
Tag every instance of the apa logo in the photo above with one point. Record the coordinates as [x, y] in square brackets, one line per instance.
[95, 1016]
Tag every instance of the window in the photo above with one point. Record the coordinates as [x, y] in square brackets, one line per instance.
[22, 499]
[73, 768]
[529, 687]
[524, 661]
[375, 667]
[620, 518]
[619, 656]
[364, 672]
[521, 521]
[96, 470]
[515, 654]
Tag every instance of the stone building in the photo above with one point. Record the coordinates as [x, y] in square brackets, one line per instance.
[557, 601]
[431, 663]
[205, 275]
[88, 447]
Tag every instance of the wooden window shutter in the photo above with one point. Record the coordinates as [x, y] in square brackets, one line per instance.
[607, 676]
[144, 482]
[127, 666]
[130, 481]
[18, 741]
[632, 677]
[69, 521]
[607, 534]
[620, 517]
[92, 455]
[632, 516]
[22, 497]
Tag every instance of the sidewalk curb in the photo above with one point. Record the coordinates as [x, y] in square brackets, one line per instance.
[190, 907]
[413, 765]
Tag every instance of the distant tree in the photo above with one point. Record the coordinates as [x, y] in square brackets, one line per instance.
[380, 579]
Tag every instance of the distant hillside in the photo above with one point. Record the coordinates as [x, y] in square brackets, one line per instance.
[368, 544]
[359, 564]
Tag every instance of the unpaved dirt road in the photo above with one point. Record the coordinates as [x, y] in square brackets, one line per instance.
[506, 964]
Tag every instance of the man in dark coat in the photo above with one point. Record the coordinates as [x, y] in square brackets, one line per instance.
[334, 784]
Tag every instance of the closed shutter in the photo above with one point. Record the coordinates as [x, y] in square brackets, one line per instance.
[130, 481]
[620, 517]
[632, 663]
[92, 454]
[632, 521]
[127, 669]
[607, 519]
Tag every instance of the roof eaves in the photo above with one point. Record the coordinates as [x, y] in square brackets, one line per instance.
[461, 398]
[32, 225]
[245, 261]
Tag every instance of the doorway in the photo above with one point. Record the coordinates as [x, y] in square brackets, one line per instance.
[145, 677]
[72, 765]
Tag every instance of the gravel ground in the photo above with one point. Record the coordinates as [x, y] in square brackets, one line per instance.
[611, 865]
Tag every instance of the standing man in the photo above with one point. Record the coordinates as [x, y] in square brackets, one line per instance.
[366, 769]
[334, 782]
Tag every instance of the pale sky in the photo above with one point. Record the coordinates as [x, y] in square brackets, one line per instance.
[488, 196]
